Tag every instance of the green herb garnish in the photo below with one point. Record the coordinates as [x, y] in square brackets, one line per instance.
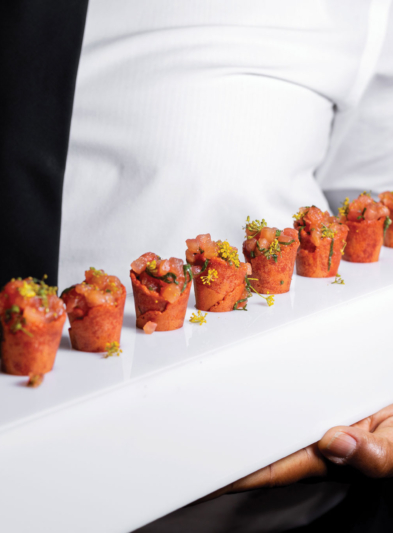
[187, 270]
[386, 224]
[287, 243]
[205, 265]
[361, 217]
[235, 307]
[330, 254]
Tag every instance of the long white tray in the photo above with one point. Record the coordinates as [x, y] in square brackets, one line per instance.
[79, 375]
[108, 445]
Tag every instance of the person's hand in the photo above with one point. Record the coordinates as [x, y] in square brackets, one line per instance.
[366, 446]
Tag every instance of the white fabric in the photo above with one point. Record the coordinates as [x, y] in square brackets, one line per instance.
[361, 149]
[190, 115]
[188, 118]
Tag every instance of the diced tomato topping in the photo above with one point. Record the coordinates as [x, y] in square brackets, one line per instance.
[163, 276]
[267, 233]
[284, 238]
[365, 208]
[262, 245]
[190, 257]
[288, 232]
[262, 239]
[200, 249]
[149, 327]
[250, 244]
[139, 264]
[27, 303]
[164, 267]
[193, 246]
[315, 225]
[387, 199]
[170, 293]
[98, 288]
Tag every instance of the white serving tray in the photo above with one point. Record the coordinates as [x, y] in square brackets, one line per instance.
[78, 375]
[108, 445]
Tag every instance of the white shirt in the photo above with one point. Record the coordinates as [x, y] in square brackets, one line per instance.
[189, 117]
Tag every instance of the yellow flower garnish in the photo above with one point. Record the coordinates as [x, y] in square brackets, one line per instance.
[274, 247]
[97, 272]
[343, 211]
[112, 348]
[343, 248]
[112, 287]
[338, 280]
[298, 216]
[365, 193]
[269, 299]
[328, 232]
[28, 289]
[151, 265]
[199, 318]
[32, 287]
[255, 226]
[227, 252]
[272, 251]
[212, 275]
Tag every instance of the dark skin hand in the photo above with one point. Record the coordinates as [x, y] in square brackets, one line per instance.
[366, 446]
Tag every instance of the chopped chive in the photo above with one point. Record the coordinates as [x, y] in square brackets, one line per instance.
[386, 225]
[330, 254]
[186, 269]
[235, 307]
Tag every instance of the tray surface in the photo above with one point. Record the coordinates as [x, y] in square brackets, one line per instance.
[79, 375]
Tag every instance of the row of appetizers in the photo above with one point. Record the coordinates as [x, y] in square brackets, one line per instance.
[33, 316]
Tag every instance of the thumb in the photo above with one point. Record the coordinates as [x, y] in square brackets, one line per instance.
[370, 453]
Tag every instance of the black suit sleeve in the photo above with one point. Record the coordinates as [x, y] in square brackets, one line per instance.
[40, 46]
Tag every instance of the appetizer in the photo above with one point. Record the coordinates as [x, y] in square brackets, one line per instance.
[220, 279]
[32, 320]
[161, 290]
[366, 220]
[95, 310]
[322, 242]
[387, 200]
[272, 254]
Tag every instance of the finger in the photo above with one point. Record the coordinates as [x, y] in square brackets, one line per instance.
[372, 422]
[370, 453]
[307, 462]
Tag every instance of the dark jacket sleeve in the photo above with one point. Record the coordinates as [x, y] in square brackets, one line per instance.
[40, 46]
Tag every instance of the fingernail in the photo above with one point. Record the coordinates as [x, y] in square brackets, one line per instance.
[341, 445]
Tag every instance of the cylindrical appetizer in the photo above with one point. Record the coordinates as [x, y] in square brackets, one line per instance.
[220, 279]
[387, 200]
[161, 290]
[322, 242]
[32, 320]
[272, 254]
[366, 220]
[95, 310]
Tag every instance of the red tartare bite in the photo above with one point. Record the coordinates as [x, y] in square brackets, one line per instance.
[32, 320]
[272, 254]
[95, 310]
[366, 220]
[322, 241]
[387, 200]
[220, 278]
[161, 290]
